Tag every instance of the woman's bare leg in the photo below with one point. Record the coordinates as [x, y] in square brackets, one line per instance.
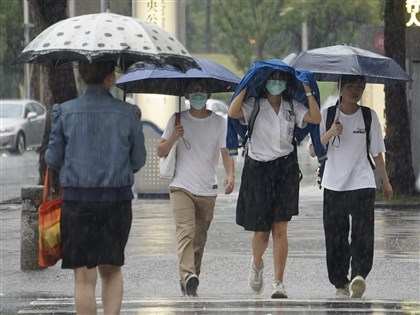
[259, 245]
[112, 288]
[84, 290]
[280, 249]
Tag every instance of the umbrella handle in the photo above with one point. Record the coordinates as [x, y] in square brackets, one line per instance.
[177, 119]
[178, 115]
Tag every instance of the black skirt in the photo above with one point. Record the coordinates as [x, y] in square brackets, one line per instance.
[94, 233]
[269, 193]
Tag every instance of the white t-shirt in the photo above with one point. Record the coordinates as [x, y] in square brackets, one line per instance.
[195, 169]
[272, 133]
[347, 167]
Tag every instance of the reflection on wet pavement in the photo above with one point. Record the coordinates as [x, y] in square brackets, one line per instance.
[237, 306]
[397, 232]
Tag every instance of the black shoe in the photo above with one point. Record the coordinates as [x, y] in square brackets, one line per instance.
[191, 285]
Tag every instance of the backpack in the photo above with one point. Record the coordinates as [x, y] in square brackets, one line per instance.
[251, 123]
[367, 118]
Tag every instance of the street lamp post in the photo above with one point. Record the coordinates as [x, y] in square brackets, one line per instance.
[26, 28]
[304, 36]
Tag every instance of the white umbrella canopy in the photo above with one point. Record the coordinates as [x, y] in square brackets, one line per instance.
[106, 36]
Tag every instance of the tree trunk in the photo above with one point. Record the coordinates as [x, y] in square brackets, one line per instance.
[398, 136]
[57, 84]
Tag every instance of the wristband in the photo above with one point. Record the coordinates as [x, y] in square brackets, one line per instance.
[311, 93]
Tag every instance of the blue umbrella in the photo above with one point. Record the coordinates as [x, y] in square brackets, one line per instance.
[169, 80]
[329, 63]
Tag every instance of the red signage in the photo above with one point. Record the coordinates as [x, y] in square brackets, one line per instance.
[379, 42]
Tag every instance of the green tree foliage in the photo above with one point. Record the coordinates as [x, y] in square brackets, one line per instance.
[195, 25]
[246, 28]
[332, 22]
[263, 29]
[11, 39]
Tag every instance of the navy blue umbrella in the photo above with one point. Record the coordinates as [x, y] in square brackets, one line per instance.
[169, 80]
[329, 63]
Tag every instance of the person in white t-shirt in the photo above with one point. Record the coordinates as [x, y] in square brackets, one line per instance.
[269, 192]
[349, 189]
[194, 186]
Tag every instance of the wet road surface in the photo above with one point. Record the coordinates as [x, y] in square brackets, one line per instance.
[151, 284]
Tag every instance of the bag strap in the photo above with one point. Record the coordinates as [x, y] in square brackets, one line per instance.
[330, 119]
[254, 113]
[367, 117]
[47, 186]
[292, 108]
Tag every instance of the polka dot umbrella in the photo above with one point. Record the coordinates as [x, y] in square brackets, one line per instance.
[106, 36]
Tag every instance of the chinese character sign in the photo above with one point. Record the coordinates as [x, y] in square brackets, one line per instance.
[413, 7]
[160, 12]
[152, 11]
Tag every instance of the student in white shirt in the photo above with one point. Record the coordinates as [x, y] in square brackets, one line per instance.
[349, 189]
[269, 192]
[194, 187]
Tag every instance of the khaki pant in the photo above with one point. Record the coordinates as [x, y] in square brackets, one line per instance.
[193, 215]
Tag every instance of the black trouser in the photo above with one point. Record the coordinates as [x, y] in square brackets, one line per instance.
[338, 206]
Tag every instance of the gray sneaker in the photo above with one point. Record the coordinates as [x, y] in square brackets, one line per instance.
[279, 292]
[343, 293]
[255, 278]
[357, 287]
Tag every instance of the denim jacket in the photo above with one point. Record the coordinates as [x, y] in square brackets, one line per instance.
[96, 142]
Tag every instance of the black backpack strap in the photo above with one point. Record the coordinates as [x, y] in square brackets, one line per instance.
[254, 113]
[328, 123]
[367, 118]
[292, 108]
[330, 118]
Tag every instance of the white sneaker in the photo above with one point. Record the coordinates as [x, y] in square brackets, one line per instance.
[343, 293]
[255, 278]
[279, 292]
[357, 287]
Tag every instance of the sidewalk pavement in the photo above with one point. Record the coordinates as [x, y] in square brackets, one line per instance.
[150, 272]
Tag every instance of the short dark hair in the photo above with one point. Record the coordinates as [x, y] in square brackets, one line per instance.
[95, 72]
[347, 78]
[194, 84]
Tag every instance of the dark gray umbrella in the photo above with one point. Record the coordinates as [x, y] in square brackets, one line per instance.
[329, 63]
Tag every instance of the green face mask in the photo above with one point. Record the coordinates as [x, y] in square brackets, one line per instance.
[198, 100]
[275, 87]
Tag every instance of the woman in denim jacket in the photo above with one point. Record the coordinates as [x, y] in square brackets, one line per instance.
[97, 144]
